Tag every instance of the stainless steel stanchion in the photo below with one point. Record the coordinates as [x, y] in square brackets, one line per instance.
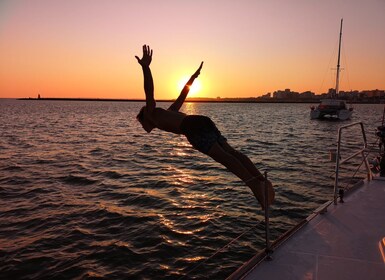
[267, 223]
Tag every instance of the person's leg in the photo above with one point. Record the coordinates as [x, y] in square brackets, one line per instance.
[234, 165]
[230, 162]
[247, 163]
[204, 136]
[245, 160]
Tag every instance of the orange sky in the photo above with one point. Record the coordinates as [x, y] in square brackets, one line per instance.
[79, 48]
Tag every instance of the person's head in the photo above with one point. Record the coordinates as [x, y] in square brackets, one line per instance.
[144, 121]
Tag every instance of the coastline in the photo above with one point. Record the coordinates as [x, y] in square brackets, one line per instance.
[209, 100]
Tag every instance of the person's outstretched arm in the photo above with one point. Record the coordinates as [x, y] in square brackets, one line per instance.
[183, 94]
[145, 62]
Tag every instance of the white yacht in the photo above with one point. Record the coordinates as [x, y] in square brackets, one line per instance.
[333, 108]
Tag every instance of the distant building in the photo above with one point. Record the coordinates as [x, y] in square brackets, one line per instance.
[307, 95]
[331, 91]
[285, 94]
[375, 95]
[266, 96]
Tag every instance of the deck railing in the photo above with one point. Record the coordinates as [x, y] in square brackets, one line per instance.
[269, 247]
[339, 192]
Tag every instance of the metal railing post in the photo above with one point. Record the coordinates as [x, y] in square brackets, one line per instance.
[338, 156]
[267, 221]
[337, 167]
[369, 172]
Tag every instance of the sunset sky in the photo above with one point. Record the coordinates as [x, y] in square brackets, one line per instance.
[86, 48]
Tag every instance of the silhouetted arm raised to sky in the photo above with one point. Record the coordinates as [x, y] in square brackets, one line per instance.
[145, 62]
[183, 94]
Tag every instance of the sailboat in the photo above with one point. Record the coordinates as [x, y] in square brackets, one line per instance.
[333, 108]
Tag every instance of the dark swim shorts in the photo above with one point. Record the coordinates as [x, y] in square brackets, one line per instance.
[201, 132]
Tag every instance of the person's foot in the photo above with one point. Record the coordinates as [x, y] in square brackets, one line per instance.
[257, 186]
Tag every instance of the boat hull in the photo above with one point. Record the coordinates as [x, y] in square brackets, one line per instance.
[331, 109]
[342, 115]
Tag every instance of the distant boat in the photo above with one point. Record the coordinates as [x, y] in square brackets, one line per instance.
[333, 108]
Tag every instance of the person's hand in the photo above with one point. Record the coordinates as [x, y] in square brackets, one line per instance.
[196, 74]
[147, 56]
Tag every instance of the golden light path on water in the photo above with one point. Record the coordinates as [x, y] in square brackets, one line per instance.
[181, 179]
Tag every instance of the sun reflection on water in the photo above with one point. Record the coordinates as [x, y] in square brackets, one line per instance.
[194, 259]
[190, 108]
[381, 246]
[171, 226]
[181, 177]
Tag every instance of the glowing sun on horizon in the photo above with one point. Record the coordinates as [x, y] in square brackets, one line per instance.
[194, 89]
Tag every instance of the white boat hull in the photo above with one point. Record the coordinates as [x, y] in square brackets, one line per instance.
[331, 109]
[314, 114]
[342, 115]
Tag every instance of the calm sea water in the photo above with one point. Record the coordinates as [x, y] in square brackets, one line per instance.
[85, 193]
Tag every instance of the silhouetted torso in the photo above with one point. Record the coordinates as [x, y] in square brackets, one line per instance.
[167, 120]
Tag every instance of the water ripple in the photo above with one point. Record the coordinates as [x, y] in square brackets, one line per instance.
[86, 194]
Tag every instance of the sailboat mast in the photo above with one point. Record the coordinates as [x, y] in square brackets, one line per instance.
[338, 62]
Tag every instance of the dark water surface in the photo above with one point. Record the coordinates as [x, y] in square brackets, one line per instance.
[85, 193]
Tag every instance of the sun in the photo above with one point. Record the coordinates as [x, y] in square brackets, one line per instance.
[194, 89]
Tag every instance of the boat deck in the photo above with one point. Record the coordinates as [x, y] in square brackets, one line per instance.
[346, 242]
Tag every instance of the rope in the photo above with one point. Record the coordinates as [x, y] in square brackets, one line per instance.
[328, 67]
[346, 63]
[219, 250]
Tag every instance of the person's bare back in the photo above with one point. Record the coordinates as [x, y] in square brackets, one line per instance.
[167, 120]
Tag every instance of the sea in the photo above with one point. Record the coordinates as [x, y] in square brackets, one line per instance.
[86, 193]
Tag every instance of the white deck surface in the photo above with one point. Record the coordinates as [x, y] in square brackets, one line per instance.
[347, 242]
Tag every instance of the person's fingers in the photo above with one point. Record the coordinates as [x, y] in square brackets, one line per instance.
[200, 67]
